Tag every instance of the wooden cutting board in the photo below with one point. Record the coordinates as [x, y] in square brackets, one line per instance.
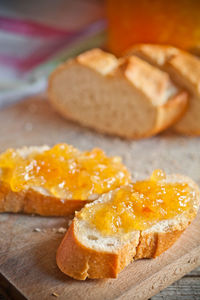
[27, 257]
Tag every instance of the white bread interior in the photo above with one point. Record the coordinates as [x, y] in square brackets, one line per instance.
[86, 252]
[37, 200]
[184, 70]
[126, 97]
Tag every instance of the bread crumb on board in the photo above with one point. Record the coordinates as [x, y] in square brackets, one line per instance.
[37, 230]
[59, 230]
[55, 294]
[55, 230]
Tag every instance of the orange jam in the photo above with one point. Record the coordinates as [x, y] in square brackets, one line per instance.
[172, 22]
[64, 171]
[139, 205]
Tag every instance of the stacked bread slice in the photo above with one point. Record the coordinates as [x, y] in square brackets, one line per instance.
[127, 97]
[184, 69]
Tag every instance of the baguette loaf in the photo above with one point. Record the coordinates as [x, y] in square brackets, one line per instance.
[126, 97]
[39, 199]
[86, 252]
[184, 70]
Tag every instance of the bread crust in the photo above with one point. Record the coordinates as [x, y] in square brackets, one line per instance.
[154, 244]
[156, 55]
[184, 69]
[37, 200]
[78, 261]
[34, 202]
[106, 65]
[168, 111]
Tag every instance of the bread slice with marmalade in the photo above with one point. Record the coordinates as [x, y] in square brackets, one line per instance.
[56, 181]
[140, 220]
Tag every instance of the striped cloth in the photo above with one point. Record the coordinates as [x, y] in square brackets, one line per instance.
[35, 36]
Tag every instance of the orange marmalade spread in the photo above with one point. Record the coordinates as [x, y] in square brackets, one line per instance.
[139, 205]
[64, 171]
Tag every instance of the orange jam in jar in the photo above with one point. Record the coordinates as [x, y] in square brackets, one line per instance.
[139, 205]
[171, 22]
[63, 171]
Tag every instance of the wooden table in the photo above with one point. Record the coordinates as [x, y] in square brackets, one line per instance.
[35, 123]
[187, 288]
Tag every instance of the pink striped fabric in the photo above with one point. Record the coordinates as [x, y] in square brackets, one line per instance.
[49, 41]
[30, 28]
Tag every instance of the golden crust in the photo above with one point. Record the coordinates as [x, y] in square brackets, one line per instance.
[154, 83]
[78, 261]
[171, 111]
[163, 56]
[149, 81]
[155, 54]
[188, 67]
[34, 202]
[98, 60]
[155, 243]
[184, 69]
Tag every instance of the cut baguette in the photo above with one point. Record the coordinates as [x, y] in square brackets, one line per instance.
[86, 252]
[126, 97]
[184, 70]
[37, 200]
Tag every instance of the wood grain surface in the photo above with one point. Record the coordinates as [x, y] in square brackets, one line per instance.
[27, 257]
[187, 288]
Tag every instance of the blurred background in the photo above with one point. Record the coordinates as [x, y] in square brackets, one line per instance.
[36, 36]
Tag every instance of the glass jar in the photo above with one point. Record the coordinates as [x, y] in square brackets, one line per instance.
[175, 22]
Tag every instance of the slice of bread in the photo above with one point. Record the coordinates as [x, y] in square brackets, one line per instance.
[184, 70]
[39, 200]
[126, 97]
[36, 200]
[86, 252]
